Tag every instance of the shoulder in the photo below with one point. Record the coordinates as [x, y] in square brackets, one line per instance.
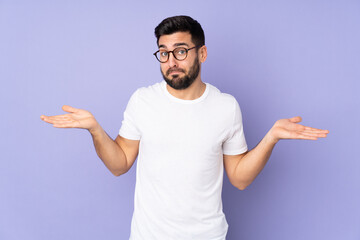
[149, 90]
[146, 92]
[149, 95]
[224, 99]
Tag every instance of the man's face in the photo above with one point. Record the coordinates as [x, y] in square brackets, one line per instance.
[179, 74]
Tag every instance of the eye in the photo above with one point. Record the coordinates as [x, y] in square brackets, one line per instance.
[163, 53]
[181, 51]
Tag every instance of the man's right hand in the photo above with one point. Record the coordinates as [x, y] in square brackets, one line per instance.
[118, 156]
[76, 118]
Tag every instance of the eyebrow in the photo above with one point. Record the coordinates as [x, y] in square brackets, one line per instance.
[180, 44]
[175, 45]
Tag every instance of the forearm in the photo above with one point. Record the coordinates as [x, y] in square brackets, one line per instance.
[249, 166]
[109, 151]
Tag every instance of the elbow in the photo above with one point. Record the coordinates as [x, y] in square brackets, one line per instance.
[118, 173]
[118, 170]
[242, 186]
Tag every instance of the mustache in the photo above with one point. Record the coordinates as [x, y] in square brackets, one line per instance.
[170, 70]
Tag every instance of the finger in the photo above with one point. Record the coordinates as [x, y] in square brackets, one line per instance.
[63, 125]
[45, 119]
[321, 135]
[307, 136]
[60, 117]
[303, 136]
[295, 119]
[66, 124]
[316, 129]
[69, 109]
[52, 119]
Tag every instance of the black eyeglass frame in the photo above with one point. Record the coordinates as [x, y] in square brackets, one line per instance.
[186, 49]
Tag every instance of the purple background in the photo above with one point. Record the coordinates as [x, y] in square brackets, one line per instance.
[278, 58]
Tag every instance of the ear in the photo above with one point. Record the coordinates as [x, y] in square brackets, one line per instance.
[202, 54]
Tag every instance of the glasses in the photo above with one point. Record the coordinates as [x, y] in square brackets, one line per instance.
[179, 53]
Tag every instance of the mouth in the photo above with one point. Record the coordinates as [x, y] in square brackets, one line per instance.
[174, 71]
[174, 77]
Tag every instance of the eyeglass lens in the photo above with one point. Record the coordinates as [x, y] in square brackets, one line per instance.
[179, 53]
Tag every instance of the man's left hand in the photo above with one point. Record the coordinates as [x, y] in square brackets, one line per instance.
[290, 129]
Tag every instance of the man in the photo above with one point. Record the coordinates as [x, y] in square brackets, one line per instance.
[185, 132]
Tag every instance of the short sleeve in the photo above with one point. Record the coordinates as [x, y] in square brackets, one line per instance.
[235, 143]
[129, 128]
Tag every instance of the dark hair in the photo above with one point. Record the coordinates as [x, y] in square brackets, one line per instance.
[175, 24]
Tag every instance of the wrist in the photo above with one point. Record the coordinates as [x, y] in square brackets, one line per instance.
[95, 130]
[271, 137]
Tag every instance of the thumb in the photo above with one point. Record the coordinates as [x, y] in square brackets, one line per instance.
[295, 119]
[69, 109]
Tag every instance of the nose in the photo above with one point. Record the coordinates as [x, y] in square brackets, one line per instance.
[172, 62]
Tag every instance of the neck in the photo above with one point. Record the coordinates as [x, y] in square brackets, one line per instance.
[194, 91]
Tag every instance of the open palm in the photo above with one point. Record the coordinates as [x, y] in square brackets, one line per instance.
[75, 118]
[290, 129]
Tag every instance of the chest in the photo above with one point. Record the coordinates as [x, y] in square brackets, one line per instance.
[185, 128]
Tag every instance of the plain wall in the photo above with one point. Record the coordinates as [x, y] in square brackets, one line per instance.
[278, 58]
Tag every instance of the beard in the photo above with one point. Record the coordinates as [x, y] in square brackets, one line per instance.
[184, 82]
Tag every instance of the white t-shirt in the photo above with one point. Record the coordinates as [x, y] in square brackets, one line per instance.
[179, 173]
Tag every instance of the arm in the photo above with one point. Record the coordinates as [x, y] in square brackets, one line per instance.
[242, 169]
[118, 156]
